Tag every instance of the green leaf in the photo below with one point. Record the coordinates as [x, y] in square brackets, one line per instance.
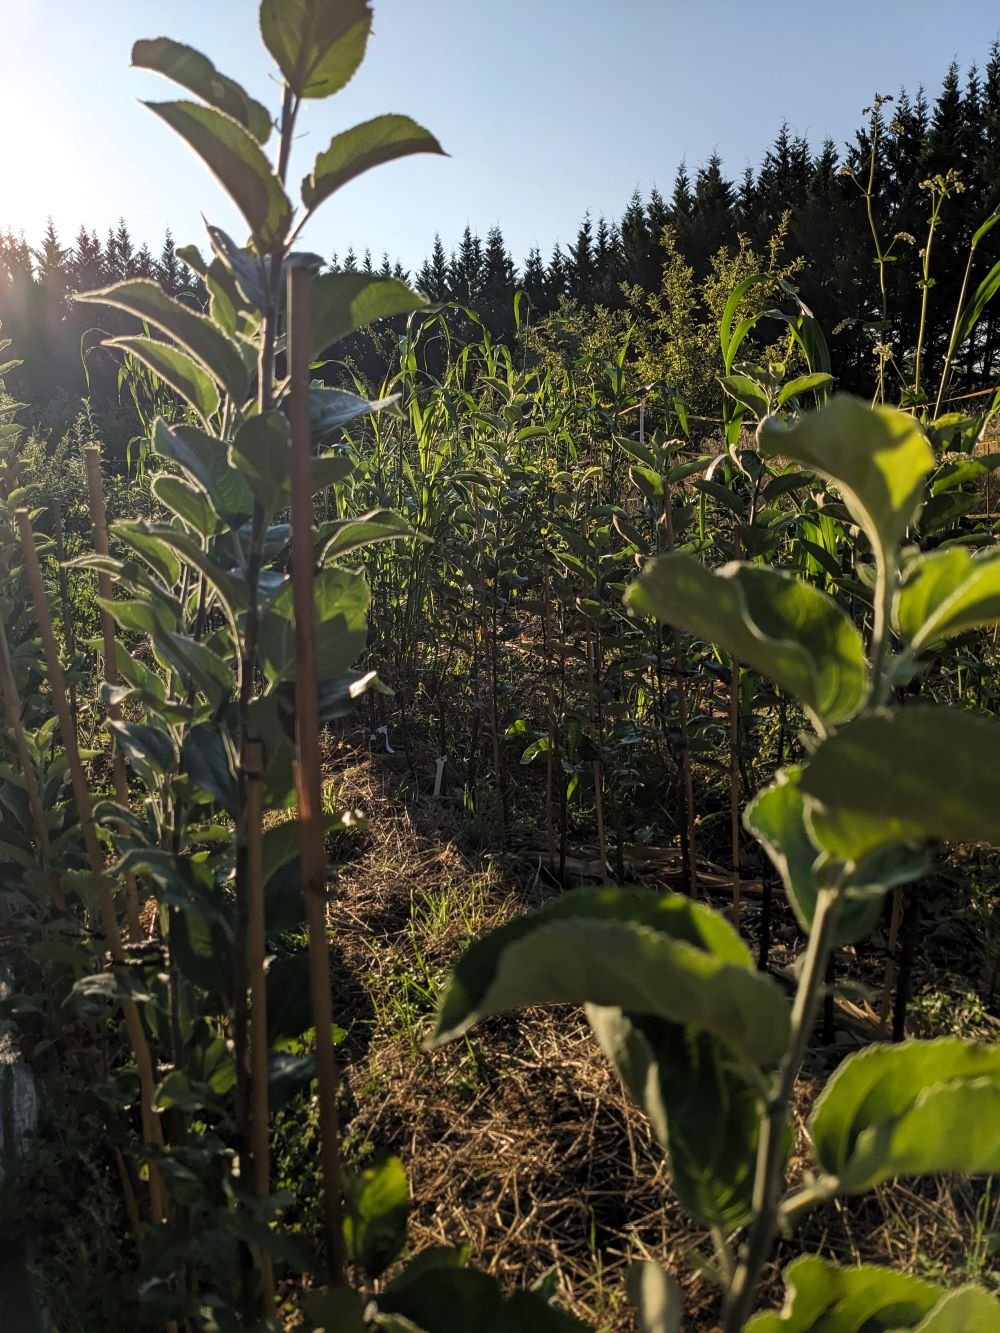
[341, 599]
[149, 751]
[198, 666]
[965, 1310]
[747, 392]
[231, 587]
[317, 45]
[639, 952]
[198, 75]
[973, 311]
[234, 157]
[193, 332]
[140, 615]
[728, 339]
[437, 1256]
[947, 592]
[359, 149]
[176, 369]
[703, 1112]
[822, 1295]
[803, 384]
[289, 998]
[377, 1204]
[920, 1108]
[210, 763]
[342, 537]
[243, 266]
[206, 462]
[261, 452]
[656, 1296]
[343, 302]
[777, 624]
[878, 457]
[777, 819]
[332, 409]
[186, 502]
[336, 1310]
[160, 558]
[870, 781]
[446, 1300]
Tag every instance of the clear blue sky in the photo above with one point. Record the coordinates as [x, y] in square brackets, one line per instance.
[547, 107]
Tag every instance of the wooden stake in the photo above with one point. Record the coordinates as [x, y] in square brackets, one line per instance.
[151, 1128]
[99, 525]
[682, 719]
[312, 849]
[734, 787]
[256, 948]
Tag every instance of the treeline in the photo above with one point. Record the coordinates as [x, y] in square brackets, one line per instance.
[866, 289]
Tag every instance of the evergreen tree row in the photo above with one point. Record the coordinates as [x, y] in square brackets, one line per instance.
[866, 289]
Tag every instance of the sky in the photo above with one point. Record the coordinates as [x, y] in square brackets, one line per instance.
[547, 108]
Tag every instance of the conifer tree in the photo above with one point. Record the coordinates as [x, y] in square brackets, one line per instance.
[433, 278]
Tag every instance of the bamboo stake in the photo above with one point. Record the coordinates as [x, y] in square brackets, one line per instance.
[550, 721]
[256, 946]
[889, 977]
[682, 718]
[734, 788]
[151, 1129]
[312, 849]
[99, 524]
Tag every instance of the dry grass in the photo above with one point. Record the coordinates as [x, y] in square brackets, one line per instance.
[519, 1141]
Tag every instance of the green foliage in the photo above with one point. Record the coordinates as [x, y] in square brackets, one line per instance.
[923, 1107]
[821, 1295]
[659, 956]
[878, 457]
[780, 626]
[841, 827]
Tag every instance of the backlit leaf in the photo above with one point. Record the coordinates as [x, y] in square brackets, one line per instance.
[359, 149]
[656, 1296]
[377, 1204]
[198, 75]
[803, 384]
[187, 502]
[317, 45]
[195, 334]
[343, 302]
[176, 369]
[234, 157]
